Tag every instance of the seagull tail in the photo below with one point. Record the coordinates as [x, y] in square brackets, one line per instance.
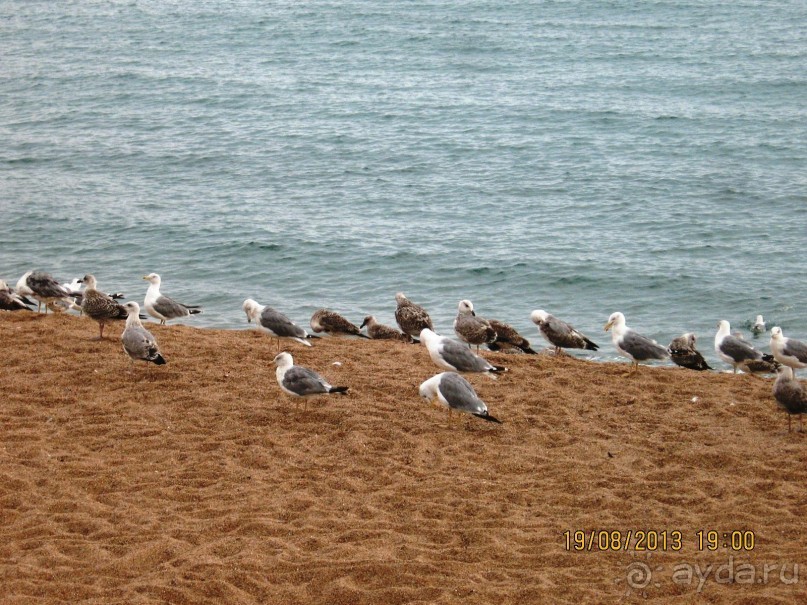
[195, 310]
[158, 360]
[312, 336]
[488, 417]
[591, 346]
[498, 369]
[303, 341]
[342, 390]
[529, 350]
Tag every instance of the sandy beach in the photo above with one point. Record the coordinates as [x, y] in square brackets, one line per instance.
[201, 482]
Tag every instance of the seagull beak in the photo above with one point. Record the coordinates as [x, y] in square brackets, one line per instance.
[145, 277]
[364, 323]
[249, 319]
[608, 325]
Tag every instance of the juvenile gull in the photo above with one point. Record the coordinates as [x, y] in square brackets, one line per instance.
[44, 288]
[790, 395]
[788, 351]
[138, 342]
[759, 326]
[100, 307]
[274, 322]
[508, 339]
[559, 333]
[411, 318]
[10, 300]
[299, 381]
[470, 327]
[378, 331]
[453, 355]
[331, 322]
[455, 393]
[631, 344]
[162, 307]
[683, 353]
[738, 353]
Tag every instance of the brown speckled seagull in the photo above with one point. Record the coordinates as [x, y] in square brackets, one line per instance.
[331, 322]
[98, 306]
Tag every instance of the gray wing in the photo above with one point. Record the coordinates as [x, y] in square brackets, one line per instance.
[795, 348]
[45, 286]
[302, 381]
[9, 302]
[790, 395]
[739, 350]
[460, 394]
[169, 308]
[641, 347]
[280, 325]
[460, 357]
[139, 343]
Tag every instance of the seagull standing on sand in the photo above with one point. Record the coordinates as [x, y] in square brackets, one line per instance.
[274, 322]
[790, 395]
[631, 344]
[299, 381]
[455, 393]
[471, 328]
[164, 308]
[453, 355]
[683, 353]
[508, 339]
[138, 342]
[378, 331]
[738, 353]
[411, 318]
[44, 288]
[788, 351]
[98, 306]
[331, 322]
[560, 334]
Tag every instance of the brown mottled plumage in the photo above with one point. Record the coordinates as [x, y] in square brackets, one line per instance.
[378, 331]
[790, 395]
[471, 328]
[411, 318]
[100, 307]
[508, 338]
[330, 322]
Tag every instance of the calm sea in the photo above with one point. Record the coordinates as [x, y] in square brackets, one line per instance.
[577, 156]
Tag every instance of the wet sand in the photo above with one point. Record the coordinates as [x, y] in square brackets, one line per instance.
[201, 482]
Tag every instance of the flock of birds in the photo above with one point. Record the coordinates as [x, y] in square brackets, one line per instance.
[448, 388]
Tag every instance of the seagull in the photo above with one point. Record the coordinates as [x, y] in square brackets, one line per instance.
[98, 306]
[683, 353]
[453, 355]
[10, 300]
[331, 322]
[378, 331]
[44, 288]
[559, 333]
[275, 323]
[299, 381]
[411, 318]
[759, 326]
[508, 339]
[631, 344]
[138, 342]
[790, 395]
[788, 351]
[471, 328]
[164, 308]
[738, 353]
[455, 393]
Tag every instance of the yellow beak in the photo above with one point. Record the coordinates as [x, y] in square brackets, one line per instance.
[608, 325]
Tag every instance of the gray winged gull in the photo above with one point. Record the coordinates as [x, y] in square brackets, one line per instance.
[411, 318]
[631, 344]
[274, 322]
[559, 333]
[331, 322]
[138, 342]
[683, 353]
[451, 354]
[98, 306]
[790, 395]
[10, 300]
[471, 328]
[378, 331]
[299, 381]
[508, 339]
[455, 393]
[162, 307]
[740, 354]
[44, 288]
[759, 326]
[788, 351]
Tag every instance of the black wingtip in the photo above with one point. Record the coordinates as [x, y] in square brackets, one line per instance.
[592, 346]
[194, 310]
[360, 335]
[498, 369]
[489, 418]
[342, 390]
[529, 351]
[159, 360]
[312, 336]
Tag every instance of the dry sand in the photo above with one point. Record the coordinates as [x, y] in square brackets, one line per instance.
[199, 481]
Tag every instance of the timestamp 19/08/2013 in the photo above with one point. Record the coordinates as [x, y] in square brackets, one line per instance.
[656, 540]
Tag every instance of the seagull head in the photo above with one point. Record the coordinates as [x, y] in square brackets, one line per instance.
[152, 278]
[368, 321]
[428, 388]
[466, 307]
[89, 281]
[283, 360]
[616, 321]
[132, 308]
[539, 316]
[776, 334]
[427, 336]
[252, 309]
[400, 298]
[723, 327]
